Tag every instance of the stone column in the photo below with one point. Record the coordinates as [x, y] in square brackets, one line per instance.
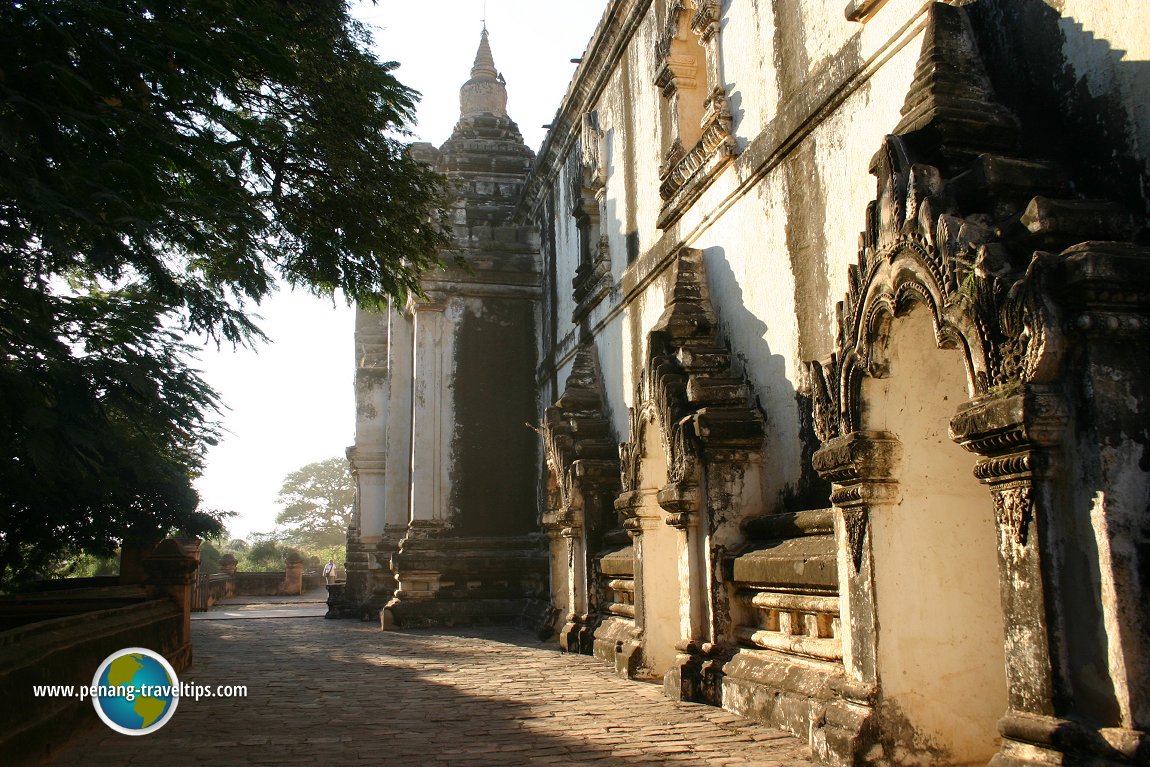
[577, 598]
[368, 464]
[372, 390]
[682, 502]
[1106, 305]
[228, 568]
[371, 478]
[1017, 437]
[432, 425]
[395, 492]
[861, 467]
[559, 556]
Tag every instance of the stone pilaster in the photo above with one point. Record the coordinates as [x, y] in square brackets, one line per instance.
[861, 467]
[431, 417]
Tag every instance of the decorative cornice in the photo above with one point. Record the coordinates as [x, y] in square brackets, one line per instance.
[608, 44]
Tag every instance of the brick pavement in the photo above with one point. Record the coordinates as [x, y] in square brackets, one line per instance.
[345, 693]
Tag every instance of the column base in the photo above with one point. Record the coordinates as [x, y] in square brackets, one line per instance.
[1030, 740]
[617, 641]
[799, 697]
[578, 635]
[446, 581]
[370, 583]
[696, 677]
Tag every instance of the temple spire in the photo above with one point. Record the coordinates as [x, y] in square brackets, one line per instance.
[484, 62]
[485, 92]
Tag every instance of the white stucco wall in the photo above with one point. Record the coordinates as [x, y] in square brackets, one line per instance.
[1107, 46]
[941, 659]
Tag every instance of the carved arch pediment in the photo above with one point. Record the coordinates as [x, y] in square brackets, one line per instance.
[963, 225]
[577, 442]
[688, 387]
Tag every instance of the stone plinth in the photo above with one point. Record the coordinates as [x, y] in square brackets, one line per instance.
[459, 581]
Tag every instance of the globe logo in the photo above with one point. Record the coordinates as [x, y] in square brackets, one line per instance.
[135, 691]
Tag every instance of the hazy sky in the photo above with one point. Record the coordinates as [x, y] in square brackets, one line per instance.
[291, 401]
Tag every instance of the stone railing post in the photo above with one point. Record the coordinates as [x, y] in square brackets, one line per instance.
[228, 567]
[170, 569]
[293, 574]
[135, 547]
[227, 564]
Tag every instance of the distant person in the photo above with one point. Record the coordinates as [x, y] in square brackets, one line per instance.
[329, 572]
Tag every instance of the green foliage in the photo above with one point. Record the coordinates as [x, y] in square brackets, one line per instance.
[86, 566]
[161, 166]
[317, 502]
[267, 554]
[209, 557]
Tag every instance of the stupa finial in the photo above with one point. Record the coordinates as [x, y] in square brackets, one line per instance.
[484, 61]
[485, 92]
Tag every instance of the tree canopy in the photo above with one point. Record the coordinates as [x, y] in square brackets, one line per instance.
[317, 501]
[162, 165]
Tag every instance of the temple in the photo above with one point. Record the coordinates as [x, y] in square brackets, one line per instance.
[832, 329]
[444, 457]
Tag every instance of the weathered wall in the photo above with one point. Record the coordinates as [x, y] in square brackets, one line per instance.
[809, 97]
[778, 229]
[940, 654]
[1082, 94]
[494, 403]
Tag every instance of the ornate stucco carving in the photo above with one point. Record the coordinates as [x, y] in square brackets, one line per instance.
[688, 75]
[689, 387]
[962, 229]
[592, 281]
[581, 456]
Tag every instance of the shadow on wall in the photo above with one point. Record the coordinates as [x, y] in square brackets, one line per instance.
[770, 385]
[1076, 118]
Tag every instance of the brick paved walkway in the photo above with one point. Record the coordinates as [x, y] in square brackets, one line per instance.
[344, 693]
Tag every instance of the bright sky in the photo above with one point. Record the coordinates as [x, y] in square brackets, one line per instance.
[291, 401]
